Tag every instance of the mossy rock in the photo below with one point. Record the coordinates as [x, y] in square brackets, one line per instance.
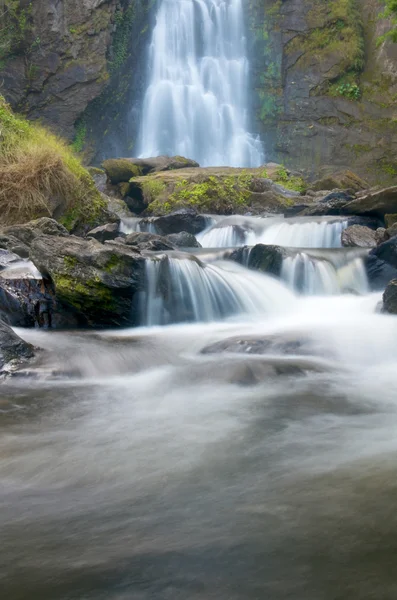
[121, 170]
[342, 180]
[95, 281]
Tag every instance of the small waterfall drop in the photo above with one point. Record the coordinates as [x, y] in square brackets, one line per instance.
[182, 289]
[310, 234]
[196, 102]
[313, 276]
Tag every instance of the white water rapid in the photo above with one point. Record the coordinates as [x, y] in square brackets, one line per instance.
[196, 103]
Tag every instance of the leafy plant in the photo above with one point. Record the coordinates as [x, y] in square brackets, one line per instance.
[390, 12]
[349, 90]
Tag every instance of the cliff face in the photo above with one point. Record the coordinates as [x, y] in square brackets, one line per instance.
[57, 56]
[325, 89]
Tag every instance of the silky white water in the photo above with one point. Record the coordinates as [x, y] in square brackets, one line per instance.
[240, 231]
[196, 102]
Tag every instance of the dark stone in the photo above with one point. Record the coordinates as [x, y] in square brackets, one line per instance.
[379, 272]
[371, 222]
[27, 232]
[148, 241]
[268, 259]
[183, 239]
[105, 232]
[185, 219]
[390, 297]
[376, 203]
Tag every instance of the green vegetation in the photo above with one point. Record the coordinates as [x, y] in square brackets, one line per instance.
[14, 24]
[124, 20]
[348, 90]
[40, 175]
[152, 189]
[390, 12]
[83, 295]
[80, 136]
[290, 182]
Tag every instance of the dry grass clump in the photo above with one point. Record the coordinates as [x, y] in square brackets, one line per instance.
[39, 174]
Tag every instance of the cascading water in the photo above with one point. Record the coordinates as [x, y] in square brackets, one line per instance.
[196, 102]
[316, 276]
[186, 290]
[310, 234]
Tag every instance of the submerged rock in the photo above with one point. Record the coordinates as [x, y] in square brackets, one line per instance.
[268, 259]
[262, 345]
[390, 297]
[96, 282]
[357, 235]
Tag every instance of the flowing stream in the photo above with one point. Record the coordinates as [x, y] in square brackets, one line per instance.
[196, 102]
[240, 445]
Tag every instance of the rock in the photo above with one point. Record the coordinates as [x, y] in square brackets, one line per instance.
[265, 345]
[12, 244]
[268, 259]
[342, 180]
[184, 219]
[390, 220]
[371, 222]
[12, 349]
[381, 264]
[96, 282]
[392, 231]
[121, 170]
[27, 232]
[105, 232]
[148, 241]
[331, 204]
[7, 258]
[381, 235]
[390, 297]
[374, 203]
[183, 239]
[357, 235]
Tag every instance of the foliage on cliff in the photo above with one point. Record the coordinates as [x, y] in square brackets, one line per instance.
[40, 176]
[390, 12]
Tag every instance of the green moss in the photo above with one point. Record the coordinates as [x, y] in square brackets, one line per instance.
[85, 296]
[214, 194]
[290, 182]
[123, 20]
[152, 189]
[15, 24]
[389, 12]
[80, 136]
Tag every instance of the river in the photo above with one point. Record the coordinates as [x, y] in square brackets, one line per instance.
[155, 471]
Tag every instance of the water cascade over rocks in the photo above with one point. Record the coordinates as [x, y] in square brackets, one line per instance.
[196, 101]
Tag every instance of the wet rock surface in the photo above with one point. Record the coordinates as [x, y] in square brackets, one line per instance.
[183, 239]
[359, 236]
[185, 219]
[14, 352]
[390, 297]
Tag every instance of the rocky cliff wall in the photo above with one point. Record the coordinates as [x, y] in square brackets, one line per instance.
[57, 57]
[325, 89]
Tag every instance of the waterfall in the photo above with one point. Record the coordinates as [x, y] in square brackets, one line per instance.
[314, 276]
[196, 102]
[310, 234]
[182, 289]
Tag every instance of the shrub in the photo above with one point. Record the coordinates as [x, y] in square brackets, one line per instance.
[40, 175]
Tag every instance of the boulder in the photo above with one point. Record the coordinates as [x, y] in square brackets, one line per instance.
[381, 235]
[27, 232]
[377, 202]
[12, 349]
[332, 204]
[390, 297]
[371, 222]
[183, 239]
[148, 241]
[381, 264]
[268, 259]
[357, 235]
[97, 282]
[184, 219]
[110, 231]
[342, 180]
[13, 244]
[121, 170]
